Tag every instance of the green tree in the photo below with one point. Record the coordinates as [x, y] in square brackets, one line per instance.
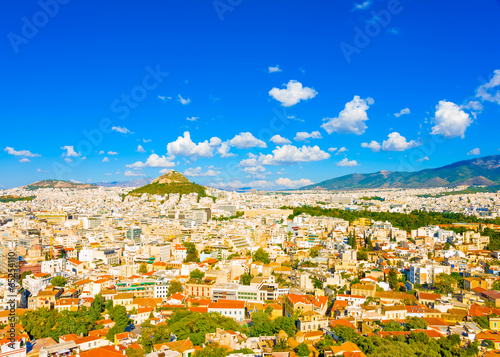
[212, 350]
[261, 324]
[286, 324]
[314, 252]
[174, 287]
[134, 352]
[392, 279]
[261, 256]
[302, 350]
[393, 326]
[245, 279]
[143, 269]
[196, 274]
[191, 253]
[58, 281]
[362, 255]
[317, 284]
[496, 285]
[415, 323]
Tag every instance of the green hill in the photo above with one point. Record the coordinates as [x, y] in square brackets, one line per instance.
[171, 182]
[59, 184]
[483, 171]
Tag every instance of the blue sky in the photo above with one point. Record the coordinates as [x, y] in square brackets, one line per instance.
[203, 87]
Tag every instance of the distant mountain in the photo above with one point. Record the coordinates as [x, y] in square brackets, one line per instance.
[171, 182]
[481, 171]
[130, 183]
[59, 184]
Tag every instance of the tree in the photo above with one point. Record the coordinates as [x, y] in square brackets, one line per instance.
[444, 283]
[134, 352]
[489, 343]
[369, 244]
[314, 252]
[281, 345]
[245, 279]
[261, 324]
[191, 253]
[361, 255]
[196, 274]
[58, 281]
[317, 284]
[261, 256]
[212, 350]
[393, 326]
[414, 323]
[108, 305]
[302, 350]
[496, 285]
[324, 343]
[392, 279]
[143, 269]
[174, 287]
[286, 324]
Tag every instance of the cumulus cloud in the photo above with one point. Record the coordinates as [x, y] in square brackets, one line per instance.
[246, 141]
[302, 135]
[346, 163]
[112, 153]
[288, 155]
[286, 182]
[131, 173]
[185, 147]
[395, 142]
[230, 186]
[450, 121]
[183, 101]
[26, 153]
[69, 151]
[223, 150]
[192, 118]
[274, 69]
[351, 119]
[475, 151]
[484, 90]
[375, 146]
[279, 140]
[341, 150]
[198, 172]
[402, 112]
[332, 149]
[121, 130]
[154, 160]
[425, 158]
[140, 149]
[24, 159]
[105, 159]
[362, 6]
[293, 93]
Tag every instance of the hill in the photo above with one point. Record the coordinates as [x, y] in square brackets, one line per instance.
[483, 171]
[130, 183]
[171, 182]
[59, 184]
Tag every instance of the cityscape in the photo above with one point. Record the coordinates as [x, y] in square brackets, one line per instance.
[236, 179]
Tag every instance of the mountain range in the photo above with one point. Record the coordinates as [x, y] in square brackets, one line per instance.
[484, 171]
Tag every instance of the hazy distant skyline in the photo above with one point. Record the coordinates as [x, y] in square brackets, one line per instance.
[245, 93]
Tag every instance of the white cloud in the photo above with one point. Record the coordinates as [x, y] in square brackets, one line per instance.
[293, 117]
[101, 152]
[231, 185]
[375, 146]
[131, 173]
[397, 142]
[346, 163]
[286, 182]
[185, 147]
[223, 150]
[288, 155]
[450, 121]
[198, 172]
[402, 112]
[112, 153]
[362, 6]
[475, 151]
[164, 98]
[254, 169]
[121, 130]
[474, 106]
[70, 151]
[26, 153]
[25, 159]
[275, 69]
[192, 118]
[483, 90]
[246, 141]
[302, 135]
[183, 101]
[293, 93]
[425, 158]
[67, 159]
[140, 149]
[153, 160]
[105, 159]
[351, 119]
[279, 140]
[332, 149]
[341, 150]
[146, 140]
